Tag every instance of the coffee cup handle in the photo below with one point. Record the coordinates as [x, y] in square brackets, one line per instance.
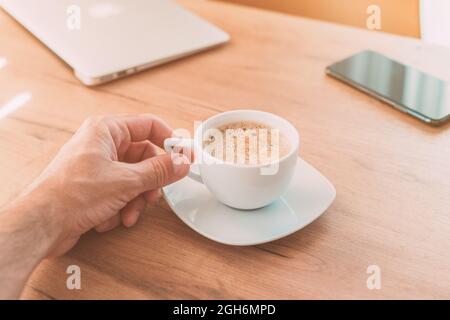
[172, 145]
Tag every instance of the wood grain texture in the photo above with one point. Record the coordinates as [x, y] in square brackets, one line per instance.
[391, 172]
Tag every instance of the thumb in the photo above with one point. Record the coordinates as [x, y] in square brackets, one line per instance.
[161, 170]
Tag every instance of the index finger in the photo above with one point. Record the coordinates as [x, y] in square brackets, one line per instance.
[144, 127]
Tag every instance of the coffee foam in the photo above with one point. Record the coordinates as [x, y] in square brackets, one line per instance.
[246, 142]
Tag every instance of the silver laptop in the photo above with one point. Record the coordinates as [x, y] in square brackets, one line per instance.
[103, 40]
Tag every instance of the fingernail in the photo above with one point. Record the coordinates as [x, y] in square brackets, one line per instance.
[179, 162]
[132, 219]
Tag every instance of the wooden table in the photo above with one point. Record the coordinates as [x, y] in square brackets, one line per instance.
[391, 172]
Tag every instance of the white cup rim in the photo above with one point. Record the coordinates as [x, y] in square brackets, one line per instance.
[294, 147]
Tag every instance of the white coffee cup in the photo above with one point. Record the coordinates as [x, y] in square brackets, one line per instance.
[242, 186]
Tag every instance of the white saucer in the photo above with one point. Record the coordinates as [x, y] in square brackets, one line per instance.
[309, 195]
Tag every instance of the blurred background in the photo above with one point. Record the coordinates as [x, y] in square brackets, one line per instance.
[425, 19]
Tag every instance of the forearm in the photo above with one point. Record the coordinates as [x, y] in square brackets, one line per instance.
[27, 234]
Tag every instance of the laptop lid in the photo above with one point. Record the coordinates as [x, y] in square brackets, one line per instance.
[104, 39]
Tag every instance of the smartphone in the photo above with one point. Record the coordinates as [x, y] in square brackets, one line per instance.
[404, 87]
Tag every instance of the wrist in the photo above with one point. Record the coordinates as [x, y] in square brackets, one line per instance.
[29, 229]
[34, 216]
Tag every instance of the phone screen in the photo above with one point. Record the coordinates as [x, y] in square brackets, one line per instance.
[407, 88]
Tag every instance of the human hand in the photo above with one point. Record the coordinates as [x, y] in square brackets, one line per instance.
[105, 175]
